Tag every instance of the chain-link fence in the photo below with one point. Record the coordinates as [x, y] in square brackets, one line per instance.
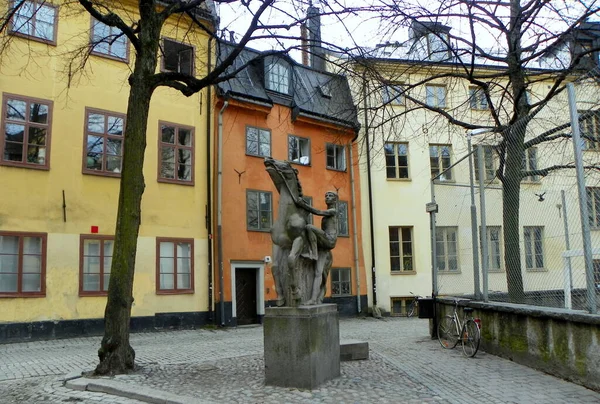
[530, 241]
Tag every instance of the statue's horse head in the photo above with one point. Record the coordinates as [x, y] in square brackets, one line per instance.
[284, 176]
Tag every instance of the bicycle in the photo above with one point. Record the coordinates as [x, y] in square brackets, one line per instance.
[451, 329]
[412, 307]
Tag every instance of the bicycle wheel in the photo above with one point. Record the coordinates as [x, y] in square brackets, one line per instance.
[470, 338]
[447, 334]
[410, 311]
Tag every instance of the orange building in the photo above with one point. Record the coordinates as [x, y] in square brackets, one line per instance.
[276, 107]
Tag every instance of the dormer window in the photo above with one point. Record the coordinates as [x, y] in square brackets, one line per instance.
[178, 57]
[438, 46]
[325, 90]
[277, 76]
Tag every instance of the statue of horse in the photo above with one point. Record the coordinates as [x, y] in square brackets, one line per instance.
[294, 257]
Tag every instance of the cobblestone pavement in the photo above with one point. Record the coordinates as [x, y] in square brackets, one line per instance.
[226, 366]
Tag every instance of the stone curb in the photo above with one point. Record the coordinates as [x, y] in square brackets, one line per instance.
[127, 390]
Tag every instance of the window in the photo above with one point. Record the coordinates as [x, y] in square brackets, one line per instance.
[103, 142]
[401, 249]
[177, 57]
[477, 99]
[108, 41]
[35, 19]
[400, 306]
[26, 140]
[392, 94]
[446, 243]
[439, 158]
[176, 154]
[340, 282]
[438, 46]
[258, 210]
[298, 150]
[596, 264]
[590, 129]
[493, 246]
[336, 157]
[175, 265]
[258, 141]
[342, 211]
[95, 261]
[534, 250]
[22, 264]
[530, 164]
[277, 77]
[488, 162]
[593, 203]
[435, 96]
[396, 160]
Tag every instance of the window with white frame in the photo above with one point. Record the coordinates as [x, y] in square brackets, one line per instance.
[177, 57]
[488, 162]
[530, 164]
[277, 76]
[438, 46]
[435, 96]
[336, 157]
[493, 239]
[341, 284]
[298, 150]
[258, 141]
[477, 99]
[440, 161]
[342, 211]
[259, 211]
[446, 243]
[589, 123]
[593, 202]
[108, 41]
[401, 249]
[533, 236]
[35, 19]
[396, 160]
[392, 94]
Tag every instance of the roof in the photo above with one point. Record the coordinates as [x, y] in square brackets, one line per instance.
[314, 94]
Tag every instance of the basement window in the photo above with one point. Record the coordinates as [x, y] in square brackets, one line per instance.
[177, 57]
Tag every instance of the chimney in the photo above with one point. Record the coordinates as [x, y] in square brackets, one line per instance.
[304, 44]
[317, 55]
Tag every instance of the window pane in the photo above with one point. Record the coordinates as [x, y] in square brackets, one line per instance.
[32, 264]
[393, 232]
[184, 281]
[36, 155]
[167, 265]
[38, 113]
[184, 265]
[114, 147]
[113, 163]
[115, 126]
[167, 281]
[184, 172]
[167, 249]
[15, 110]
[32, 283]
[14, 133]
[9, 263]
[96, 123]
[168, 134]
[184, 156]
[184, 137]
[395, 263]
[9, 245]
[37, 136]
[8, 282]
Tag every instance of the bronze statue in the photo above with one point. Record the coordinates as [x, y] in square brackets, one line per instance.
[301, 251]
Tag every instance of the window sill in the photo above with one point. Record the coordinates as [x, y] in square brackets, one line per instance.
[25, 295]
[336, 169]
[175, 182]
[35, 38]
[101, 173]
[299, 164]
[399, 179]
[256, 155]
[175, 292]
[110, 57]
[24, 165]
[403, 272]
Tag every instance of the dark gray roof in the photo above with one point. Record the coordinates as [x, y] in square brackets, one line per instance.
[316, 94]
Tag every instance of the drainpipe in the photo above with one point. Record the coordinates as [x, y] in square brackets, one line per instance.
[376, 311]
[219, 210]
[209, 170]
[355, 235]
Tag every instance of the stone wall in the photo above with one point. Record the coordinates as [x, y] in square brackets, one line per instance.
[556, 341]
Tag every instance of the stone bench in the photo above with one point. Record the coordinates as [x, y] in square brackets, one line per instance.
[353, 350]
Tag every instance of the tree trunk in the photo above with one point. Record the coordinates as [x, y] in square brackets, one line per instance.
[115, 353]
[510, 210]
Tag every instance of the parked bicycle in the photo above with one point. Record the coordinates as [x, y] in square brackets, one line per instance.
[412, 307]
[452, 329]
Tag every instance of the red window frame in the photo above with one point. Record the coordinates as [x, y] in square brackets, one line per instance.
[27, 124]
[20, 254]
[106, 136]
[177, 147]
[175, 289]
[37, 4]
[102, 239]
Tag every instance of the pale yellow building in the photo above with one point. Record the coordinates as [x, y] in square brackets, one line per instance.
[60, 159]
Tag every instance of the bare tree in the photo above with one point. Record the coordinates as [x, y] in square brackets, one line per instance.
[501, 51]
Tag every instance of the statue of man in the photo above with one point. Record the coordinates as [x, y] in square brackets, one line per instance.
[324, 239]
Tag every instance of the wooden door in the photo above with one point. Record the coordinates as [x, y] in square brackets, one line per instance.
[245, 295]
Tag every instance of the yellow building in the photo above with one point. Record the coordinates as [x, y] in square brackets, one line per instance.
[60, 159]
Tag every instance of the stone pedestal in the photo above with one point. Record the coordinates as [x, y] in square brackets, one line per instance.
[302, 345]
